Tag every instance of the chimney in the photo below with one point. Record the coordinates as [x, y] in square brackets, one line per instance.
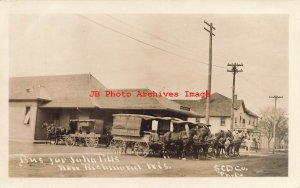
[235, 98]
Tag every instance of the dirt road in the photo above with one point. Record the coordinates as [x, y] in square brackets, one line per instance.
[39, 160]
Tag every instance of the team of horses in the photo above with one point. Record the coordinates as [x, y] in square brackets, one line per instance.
[199, 142]
[54, 133]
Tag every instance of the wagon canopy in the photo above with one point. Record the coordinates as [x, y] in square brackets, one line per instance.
[86, 125]
[203, 125]
[135, 124]
[129, 124]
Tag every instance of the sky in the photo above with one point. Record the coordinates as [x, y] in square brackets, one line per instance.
[162, 52]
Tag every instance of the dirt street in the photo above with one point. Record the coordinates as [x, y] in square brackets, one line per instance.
[40, 160]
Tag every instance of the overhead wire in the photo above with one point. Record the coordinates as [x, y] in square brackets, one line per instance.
[147, 33]
[188, 51]
[146, 43]
[154, 46]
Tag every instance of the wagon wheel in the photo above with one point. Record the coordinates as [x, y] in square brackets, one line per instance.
[70, 140]
[141, 149]
[91, 141]
[118, 145]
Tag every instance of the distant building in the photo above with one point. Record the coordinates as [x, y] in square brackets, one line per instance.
[220, 113]
[57, 99]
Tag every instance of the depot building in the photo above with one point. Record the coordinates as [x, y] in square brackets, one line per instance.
[58, 99]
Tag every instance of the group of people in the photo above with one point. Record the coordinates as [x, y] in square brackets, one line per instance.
[252, 141]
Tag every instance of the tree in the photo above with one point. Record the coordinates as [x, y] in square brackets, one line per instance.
[269, 118]
[282, 131]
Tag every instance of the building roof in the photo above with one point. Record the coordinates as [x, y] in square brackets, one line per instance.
[69, 91]
[249, 112]
[241, 103]
[144, 103]
[220, 105]
[62, 90]
[21, 92]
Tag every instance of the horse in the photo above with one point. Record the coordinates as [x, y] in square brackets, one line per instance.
[220, 138]
[54, 133]
[60, 133]
[175, 141]
[200, 141]
[50, 131]
[211, 143]
[237, 141]
[222, 143]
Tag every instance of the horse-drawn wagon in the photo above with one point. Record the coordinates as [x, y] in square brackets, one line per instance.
[133, 131]
[142, 133]
[84, 132]
[149, 135]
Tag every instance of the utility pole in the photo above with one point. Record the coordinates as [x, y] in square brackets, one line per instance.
[211, 34]
[234, 70]
[274, 126]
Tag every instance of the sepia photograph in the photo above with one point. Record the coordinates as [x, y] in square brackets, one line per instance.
[148, 95]
[163, 93]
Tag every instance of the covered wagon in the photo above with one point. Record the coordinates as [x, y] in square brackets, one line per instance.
[144, 134]
[86, 132]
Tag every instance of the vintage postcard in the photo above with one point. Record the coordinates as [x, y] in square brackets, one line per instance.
[150, 93]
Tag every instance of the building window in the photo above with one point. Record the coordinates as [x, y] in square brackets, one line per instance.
[222, 121]
[27, 115]
[249, 122]
[244, 122]
[235, 119]
[240, 119]
[197, 120]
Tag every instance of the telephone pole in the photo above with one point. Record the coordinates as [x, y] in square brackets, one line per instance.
[274, 127]
[211, 34]
[234, 70]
